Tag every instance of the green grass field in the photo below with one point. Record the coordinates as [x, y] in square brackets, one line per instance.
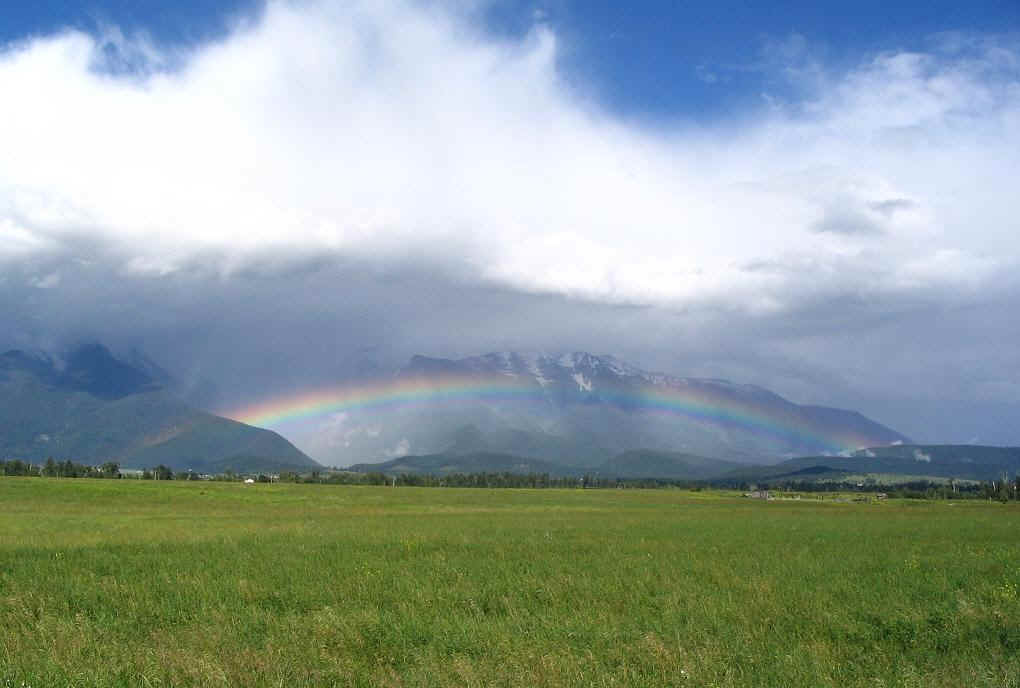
[129, 583]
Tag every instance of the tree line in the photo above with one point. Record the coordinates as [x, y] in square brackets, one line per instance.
[1003, 489]
[72, 469]
[481, 479]
[60, 469]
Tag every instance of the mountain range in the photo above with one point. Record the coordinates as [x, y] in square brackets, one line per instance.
[892, 465]
[970, 462]
[636, 463]
[581, 410]
[92, 407]
[563, 415]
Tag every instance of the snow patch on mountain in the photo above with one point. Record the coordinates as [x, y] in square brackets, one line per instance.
[533, 367]
[582, 384]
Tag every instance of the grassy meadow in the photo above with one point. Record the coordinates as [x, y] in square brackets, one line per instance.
[130, 583]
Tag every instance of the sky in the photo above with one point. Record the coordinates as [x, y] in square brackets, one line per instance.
[819, 199]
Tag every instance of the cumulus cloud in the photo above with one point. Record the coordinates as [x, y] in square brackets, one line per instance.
[404, 133]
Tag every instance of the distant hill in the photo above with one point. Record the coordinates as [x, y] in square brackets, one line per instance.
[642, 463]
[92, 407]
[473, 462]
[648, 463]
[925, 461]
[970, 462]
[908, 461]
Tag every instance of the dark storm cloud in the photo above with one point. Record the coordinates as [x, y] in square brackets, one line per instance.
[301, 324]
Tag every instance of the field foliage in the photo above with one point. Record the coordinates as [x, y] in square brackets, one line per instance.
[132, 583]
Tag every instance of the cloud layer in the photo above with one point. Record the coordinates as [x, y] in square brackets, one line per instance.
[405, 134]
[400, 154]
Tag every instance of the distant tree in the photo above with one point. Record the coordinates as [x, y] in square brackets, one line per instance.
[162, 472]
[110, 469]
[16, 467]
[50, 469]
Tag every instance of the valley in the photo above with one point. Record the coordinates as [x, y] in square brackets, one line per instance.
[123, 582]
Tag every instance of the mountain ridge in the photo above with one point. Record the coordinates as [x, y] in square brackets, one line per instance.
[581, 409]
[633, 464]
[963, 461]
[91, 406]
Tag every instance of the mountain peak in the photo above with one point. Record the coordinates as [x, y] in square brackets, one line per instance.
[89, 368]
[578, 403]
[36, 363]
[93, 369]
[92, 406]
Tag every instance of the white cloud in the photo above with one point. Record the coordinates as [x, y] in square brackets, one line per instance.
[402, 448]
[395, 134]
[46, 281]
[19, 242]
[332, 430]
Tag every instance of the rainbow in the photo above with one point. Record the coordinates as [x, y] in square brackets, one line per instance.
[785, 424]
